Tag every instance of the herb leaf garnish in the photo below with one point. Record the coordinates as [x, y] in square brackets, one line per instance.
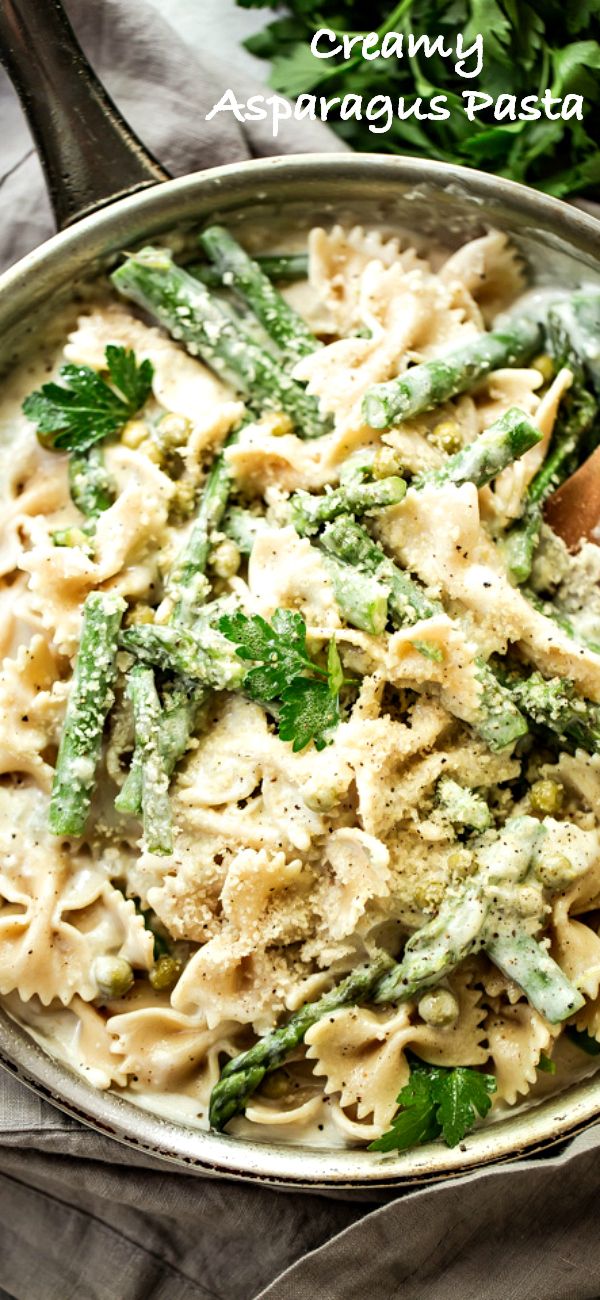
[308, 695]
[437, 1102]
[86, 408]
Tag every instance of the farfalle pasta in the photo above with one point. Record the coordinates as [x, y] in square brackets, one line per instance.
[299, 695]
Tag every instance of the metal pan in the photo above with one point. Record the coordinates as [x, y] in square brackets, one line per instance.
[108, 193]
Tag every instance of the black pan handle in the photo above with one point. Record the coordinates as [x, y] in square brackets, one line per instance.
[89, 155]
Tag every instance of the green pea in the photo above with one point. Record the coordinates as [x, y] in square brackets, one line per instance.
[165, 972]
[276, 1085]
[385, 463]
[438, 1007]
[546, 796]
[446, 435]
[113, 976]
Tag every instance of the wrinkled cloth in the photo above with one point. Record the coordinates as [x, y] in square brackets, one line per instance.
[83, 1217]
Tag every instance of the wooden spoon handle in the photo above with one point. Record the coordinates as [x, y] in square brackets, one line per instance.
[573, 511]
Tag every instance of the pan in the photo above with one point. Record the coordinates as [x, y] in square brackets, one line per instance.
[108, 193]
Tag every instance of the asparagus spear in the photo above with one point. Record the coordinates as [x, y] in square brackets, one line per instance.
[89, 702]
[92, 491]
[286, 267]
[195, 316]
[350, 543]
[575, 421]
[576, 321]
[555, 704]
[360, 598]
[186, 583]
[353, 498]
[467, 913]
[156, 809]
[530, 965]
[129, 798]
[211, 662]
[522, 958]
[182, 704]
[500, 722]
[244, 1074]
[478, 914]
[177, 722]
[433, 382]
[506, 440]
[240, 272]
[187, 586]
[437, 947]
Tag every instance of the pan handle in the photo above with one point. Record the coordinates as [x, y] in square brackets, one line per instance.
[89, 155]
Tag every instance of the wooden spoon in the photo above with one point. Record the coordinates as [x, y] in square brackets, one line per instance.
[573, 511]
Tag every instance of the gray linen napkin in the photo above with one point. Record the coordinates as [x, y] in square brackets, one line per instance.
[85, 1218]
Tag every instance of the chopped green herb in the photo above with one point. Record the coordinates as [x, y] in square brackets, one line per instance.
[428, 651]
[546, 1065]
[279, 648]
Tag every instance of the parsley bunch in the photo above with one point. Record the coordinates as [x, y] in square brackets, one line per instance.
[529, 46]
[309, 696]
[86, 408]
[437, 1102]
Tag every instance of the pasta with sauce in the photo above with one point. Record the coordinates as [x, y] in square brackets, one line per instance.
[300, 696]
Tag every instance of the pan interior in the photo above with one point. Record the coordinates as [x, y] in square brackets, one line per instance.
[437, 208]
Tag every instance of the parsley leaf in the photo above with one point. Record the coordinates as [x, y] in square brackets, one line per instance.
[416, 1123]
[438, 1102]
[461, 1096]
[309, 695]
[133, 381]
[308, 711]
[74, 415]
[279, 647]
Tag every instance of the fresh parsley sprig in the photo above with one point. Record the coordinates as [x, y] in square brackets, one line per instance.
[437, 1102]
[86, 408]
[308, 695]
